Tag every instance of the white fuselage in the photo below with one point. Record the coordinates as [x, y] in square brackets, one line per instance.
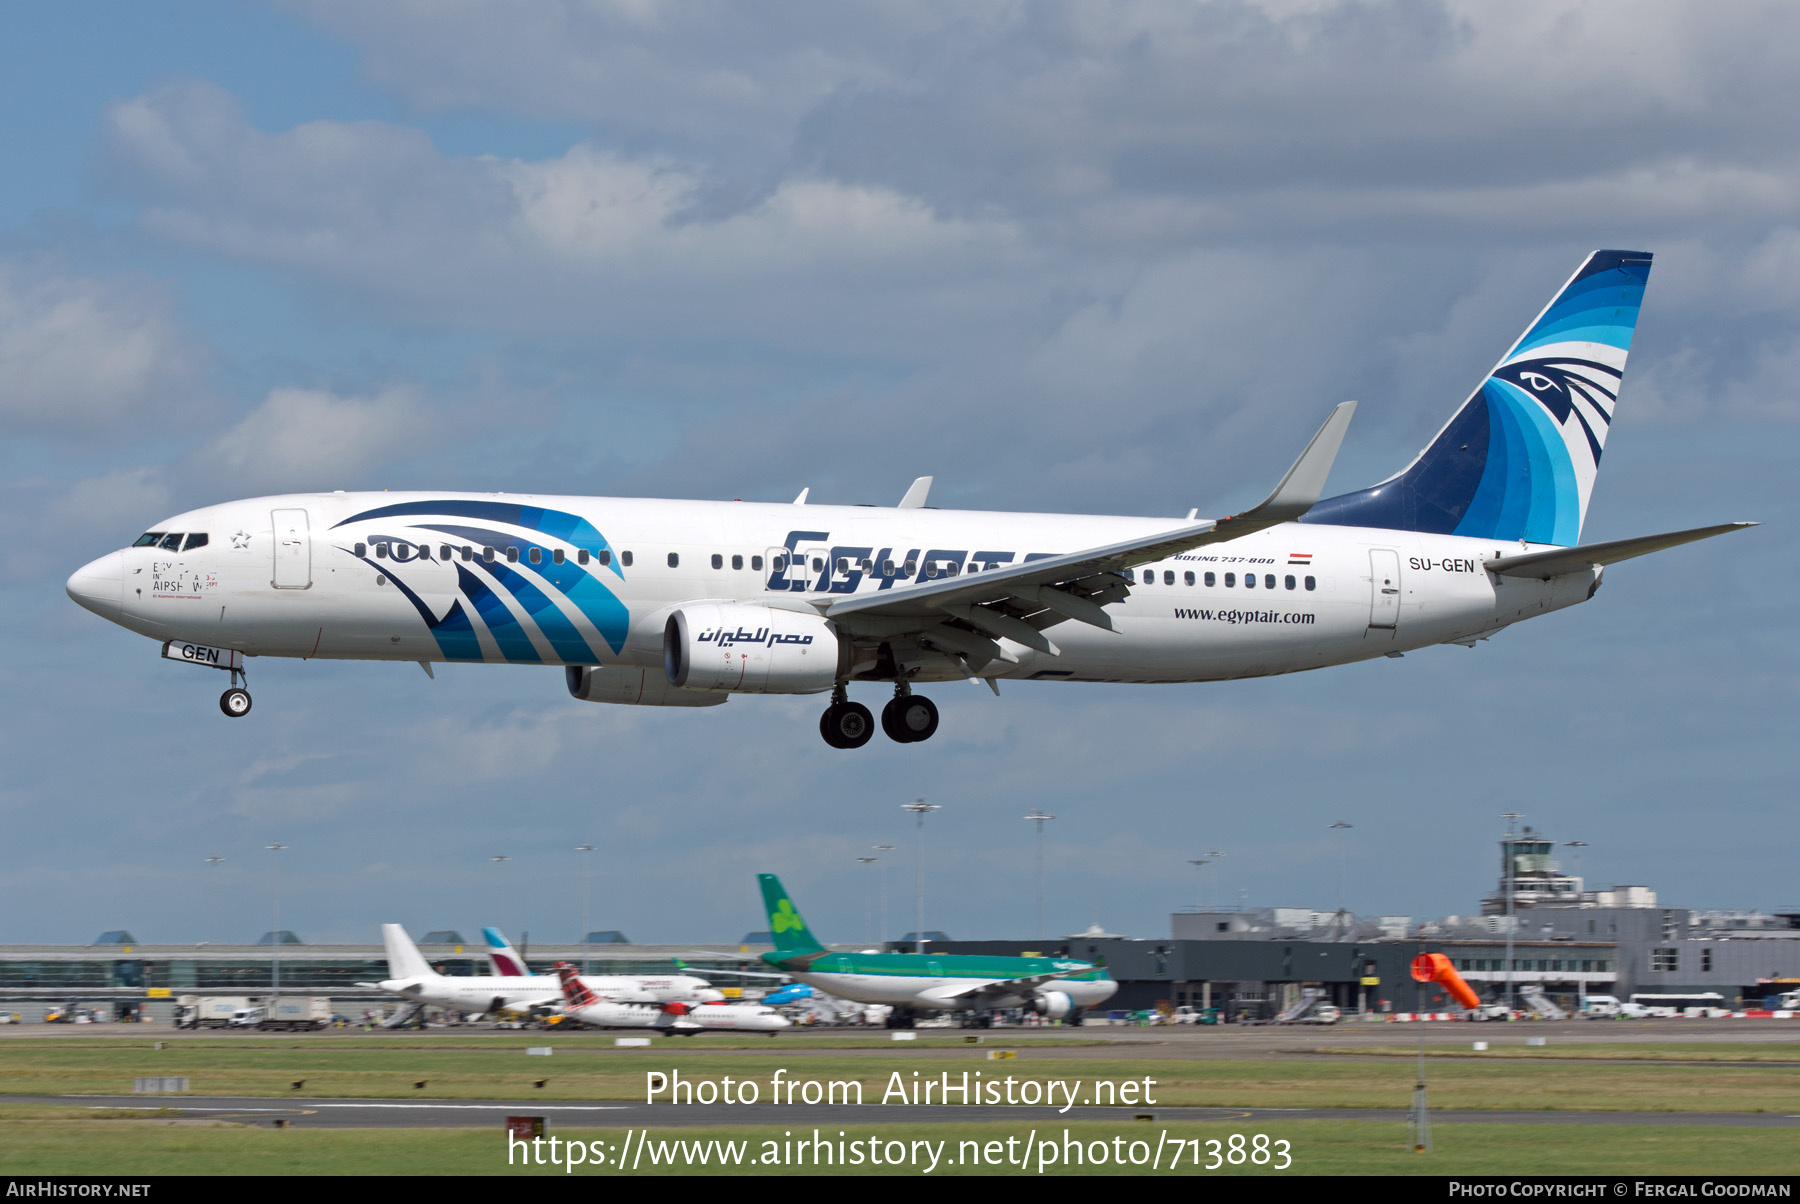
[939, 994]
[283, 576]
[730, 1017]
[544, 991]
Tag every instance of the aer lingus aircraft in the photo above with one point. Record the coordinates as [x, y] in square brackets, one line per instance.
[685, 603]
[1058, 987]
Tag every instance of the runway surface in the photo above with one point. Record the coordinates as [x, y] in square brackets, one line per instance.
[408, 1114]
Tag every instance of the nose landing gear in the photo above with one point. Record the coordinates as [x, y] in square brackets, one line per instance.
[235, 702]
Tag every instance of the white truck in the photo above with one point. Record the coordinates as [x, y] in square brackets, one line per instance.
[285, 1012]
[208, 1011]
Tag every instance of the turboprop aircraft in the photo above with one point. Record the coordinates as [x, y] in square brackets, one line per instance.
[680, 1019]
[1058, 987]
[685, 603]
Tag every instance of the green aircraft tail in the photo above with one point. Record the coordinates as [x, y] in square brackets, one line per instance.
[791, 935]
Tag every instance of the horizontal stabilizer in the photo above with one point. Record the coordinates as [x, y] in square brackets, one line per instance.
[1557, 561]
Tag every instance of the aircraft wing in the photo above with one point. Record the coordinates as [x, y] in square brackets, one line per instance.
[1557, 561]
[978, 996]
[966, 615]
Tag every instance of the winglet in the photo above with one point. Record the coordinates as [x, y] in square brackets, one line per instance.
[801, 500]
[1300, 489]
[916, 494]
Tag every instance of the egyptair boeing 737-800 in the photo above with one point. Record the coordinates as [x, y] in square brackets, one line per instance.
[685, 603]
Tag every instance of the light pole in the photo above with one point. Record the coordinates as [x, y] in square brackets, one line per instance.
[587, 879]
[1038, 817]
[1577, 845]
[275, 936]
[214, 862]
[868, 900]
[920, 808]
[1199, 864]
[1214, 855]
[499, 890]
[1509, 871]
[884, 848]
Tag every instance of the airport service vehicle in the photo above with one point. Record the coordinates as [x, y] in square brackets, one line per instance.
[413, 979]
[632, 988]
[285, 1012]
[1600, 1007]
[1699, 1004]
[684, 603]
[1057, 987]
[582, 1004]
[208, 1011]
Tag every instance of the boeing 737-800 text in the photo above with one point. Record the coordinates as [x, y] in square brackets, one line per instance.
[685, 603]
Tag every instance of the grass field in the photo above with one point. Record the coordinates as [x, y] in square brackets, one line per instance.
[148, 1147]
[268, 1068]
[1673, 1052]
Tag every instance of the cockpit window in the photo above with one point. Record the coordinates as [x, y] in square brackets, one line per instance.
[172, 542]
[148, 539]
[196, 539]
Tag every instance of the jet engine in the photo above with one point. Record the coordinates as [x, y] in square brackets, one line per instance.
[1056, 1005]
[676, 1009]
[752, 649]
[633, 687]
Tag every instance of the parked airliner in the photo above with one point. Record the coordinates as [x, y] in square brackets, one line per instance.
[685, 603]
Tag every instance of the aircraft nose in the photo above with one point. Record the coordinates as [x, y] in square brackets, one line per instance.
[99, 585]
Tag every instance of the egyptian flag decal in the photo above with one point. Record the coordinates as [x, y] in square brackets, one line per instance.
[1303, 559]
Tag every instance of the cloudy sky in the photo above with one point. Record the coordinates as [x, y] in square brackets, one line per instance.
[1116, 257]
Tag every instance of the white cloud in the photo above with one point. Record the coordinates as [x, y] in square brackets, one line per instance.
[86, 357]
[315, 439]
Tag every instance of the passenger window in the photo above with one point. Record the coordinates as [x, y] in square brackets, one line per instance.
[1249, 580]
[818, 564]
[536, 556]
[558, 556]
[887, 568]
[1168, 576]
[605, 557]
[487, 555]
[674, 560]
[1289, 582]
[718, 561]
[424, 551]
[148, 539]
[1230, 580]
[468, 553]
[737, 562]
[1268, 580]
[581, 556]
[781, 564]
[756, 563]
[912, 566]
[1188, 578]
[362, 549]
[196, 540]
[445, 552]
[624, 559]
[867, 567]
[1311, 583]
[1149, 577]
[843, 564]
[512, 555]
[1210, 579]
[381, 551]
[952, 568]
[172, 543]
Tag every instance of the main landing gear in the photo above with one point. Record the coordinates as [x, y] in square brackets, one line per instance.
[907, 719]
[235, 702]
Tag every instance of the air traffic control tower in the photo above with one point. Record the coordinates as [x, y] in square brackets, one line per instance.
[1530, 877]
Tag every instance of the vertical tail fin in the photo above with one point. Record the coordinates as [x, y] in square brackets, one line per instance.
[403, 957]
[788, 931]
[1518, 460]
[501, 955]
[575, 992]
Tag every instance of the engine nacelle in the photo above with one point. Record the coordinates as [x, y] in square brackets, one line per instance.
[752, 649]
[633, 687]
[676, 1009]
[1054, 1004]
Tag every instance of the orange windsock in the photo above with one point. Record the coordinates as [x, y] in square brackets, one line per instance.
[1435, 967]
